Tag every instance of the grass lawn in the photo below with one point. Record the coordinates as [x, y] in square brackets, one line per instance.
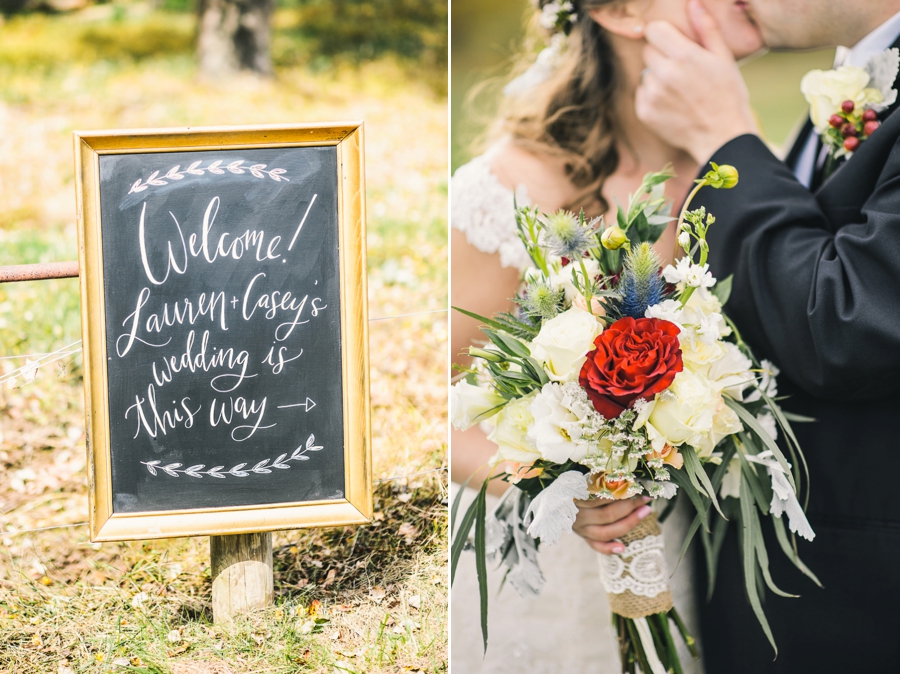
[362, 599]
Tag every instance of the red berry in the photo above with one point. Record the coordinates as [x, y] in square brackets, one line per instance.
[847, 106]
[870, 127]
[869, 116]
[851, 143]
[848, 130]
[836, 121]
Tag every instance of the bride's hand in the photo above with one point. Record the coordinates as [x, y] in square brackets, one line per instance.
[599, 522]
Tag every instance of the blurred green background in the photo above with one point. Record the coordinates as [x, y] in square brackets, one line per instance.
[486, 36]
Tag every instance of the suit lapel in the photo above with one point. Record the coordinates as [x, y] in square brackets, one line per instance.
[793, 154]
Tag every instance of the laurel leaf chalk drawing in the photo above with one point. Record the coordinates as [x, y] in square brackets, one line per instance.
[263, 467]
[235, 167]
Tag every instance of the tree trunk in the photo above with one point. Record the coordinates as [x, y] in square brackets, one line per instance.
[234, 35]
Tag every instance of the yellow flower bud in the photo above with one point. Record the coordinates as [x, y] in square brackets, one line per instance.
[614, 238]
[722, 177]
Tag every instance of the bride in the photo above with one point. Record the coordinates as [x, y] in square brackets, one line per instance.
[567, 137]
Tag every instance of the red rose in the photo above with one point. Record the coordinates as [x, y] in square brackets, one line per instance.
[632, 359]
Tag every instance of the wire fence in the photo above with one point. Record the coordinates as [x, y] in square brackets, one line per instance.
[35, 361]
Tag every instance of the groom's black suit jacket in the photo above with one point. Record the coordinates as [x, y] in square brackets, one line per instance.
[817, 291]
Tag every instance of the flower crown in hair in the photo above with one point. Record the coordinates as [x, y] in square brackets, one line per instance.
[557, 18]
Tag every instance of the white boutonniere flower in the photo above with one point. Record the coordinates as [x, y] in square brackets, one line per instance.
[844, 103]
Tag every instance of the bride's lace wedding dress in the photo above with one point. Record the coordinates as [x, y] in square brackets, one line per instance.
[567, 629]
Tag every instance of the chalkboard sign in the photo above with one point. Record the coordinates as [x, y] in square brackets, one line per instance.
[223, 312]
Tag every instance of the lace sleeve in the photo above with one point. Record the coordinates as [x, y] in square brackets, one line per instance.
[482, 209]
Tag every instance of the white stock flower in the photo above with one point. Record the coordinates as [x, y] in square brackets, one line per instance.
[731, 481]
[825, 90]
[667, 310]
[556, 431]
[767, 421]
[511, 432]
[690, 274]
[684, 239]
[563, 343]
[691, 411]
[470, 405]
[702, 327]
[767, 381]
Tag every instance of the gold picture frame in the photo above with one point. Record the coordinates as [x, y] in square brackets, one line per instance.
[357, 505]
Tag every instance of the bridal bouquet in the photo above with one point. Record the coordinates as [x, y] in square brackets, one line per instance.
[617, 378]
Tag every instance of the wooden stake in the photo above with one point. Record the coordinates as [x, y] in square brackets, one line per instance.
[241, 573]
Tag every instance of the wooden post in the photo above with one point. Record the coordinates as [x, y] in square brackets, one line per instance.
[241, 573]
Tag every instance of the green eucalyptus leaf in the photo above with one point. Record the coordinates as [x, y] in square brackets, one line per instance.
[507, 343]
[789, 551]
[481, 559]
[722, 289]
[692, 463]
[462, 534]
[748, 553]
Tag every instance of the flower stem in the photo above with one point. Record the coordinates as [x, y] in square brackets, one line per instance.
[588, 286]
[684, 210]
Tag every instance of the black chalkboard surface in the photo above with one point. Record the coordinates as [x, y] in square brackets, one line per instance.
[222, 327]
[223, 330]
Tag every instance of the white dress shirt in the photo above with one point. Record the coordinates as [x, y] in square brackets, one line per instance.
[877, 41]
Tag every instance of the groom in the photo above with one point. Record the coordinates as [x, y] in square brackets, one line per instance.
[816, 290]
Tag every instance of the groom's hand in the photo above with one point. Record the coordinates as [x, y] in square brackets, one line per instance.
[599, 522]
[692, 95]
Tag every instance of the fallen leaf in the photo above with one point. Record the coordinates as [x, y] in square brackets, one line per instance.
[329, 579]
[415, 601]
[408, 531]
[377, 593]
[138, 600]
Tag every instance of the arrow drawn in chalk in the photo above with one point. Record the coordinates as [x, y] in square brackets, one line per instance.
[307, 406]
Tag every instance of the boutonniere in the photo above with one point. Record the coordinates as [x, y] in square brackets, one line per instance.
[844, 103]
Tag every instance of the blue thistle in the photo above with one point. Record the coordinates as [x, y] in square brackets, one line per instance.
[640, 285]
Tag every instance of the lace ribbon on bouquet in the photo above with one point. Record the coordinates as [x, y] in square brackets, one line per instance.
[636, 580]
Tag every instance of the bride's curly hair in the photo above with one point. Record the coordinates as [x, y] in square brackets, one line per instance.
[572, 114]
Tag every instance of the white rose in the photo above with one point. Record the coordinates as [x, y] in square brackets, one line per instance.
[731, 374]
[825, 90]
[470, 405]
[556, 431]
[511, 432]
[563, 343]
[691, 411]
[698, 354]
